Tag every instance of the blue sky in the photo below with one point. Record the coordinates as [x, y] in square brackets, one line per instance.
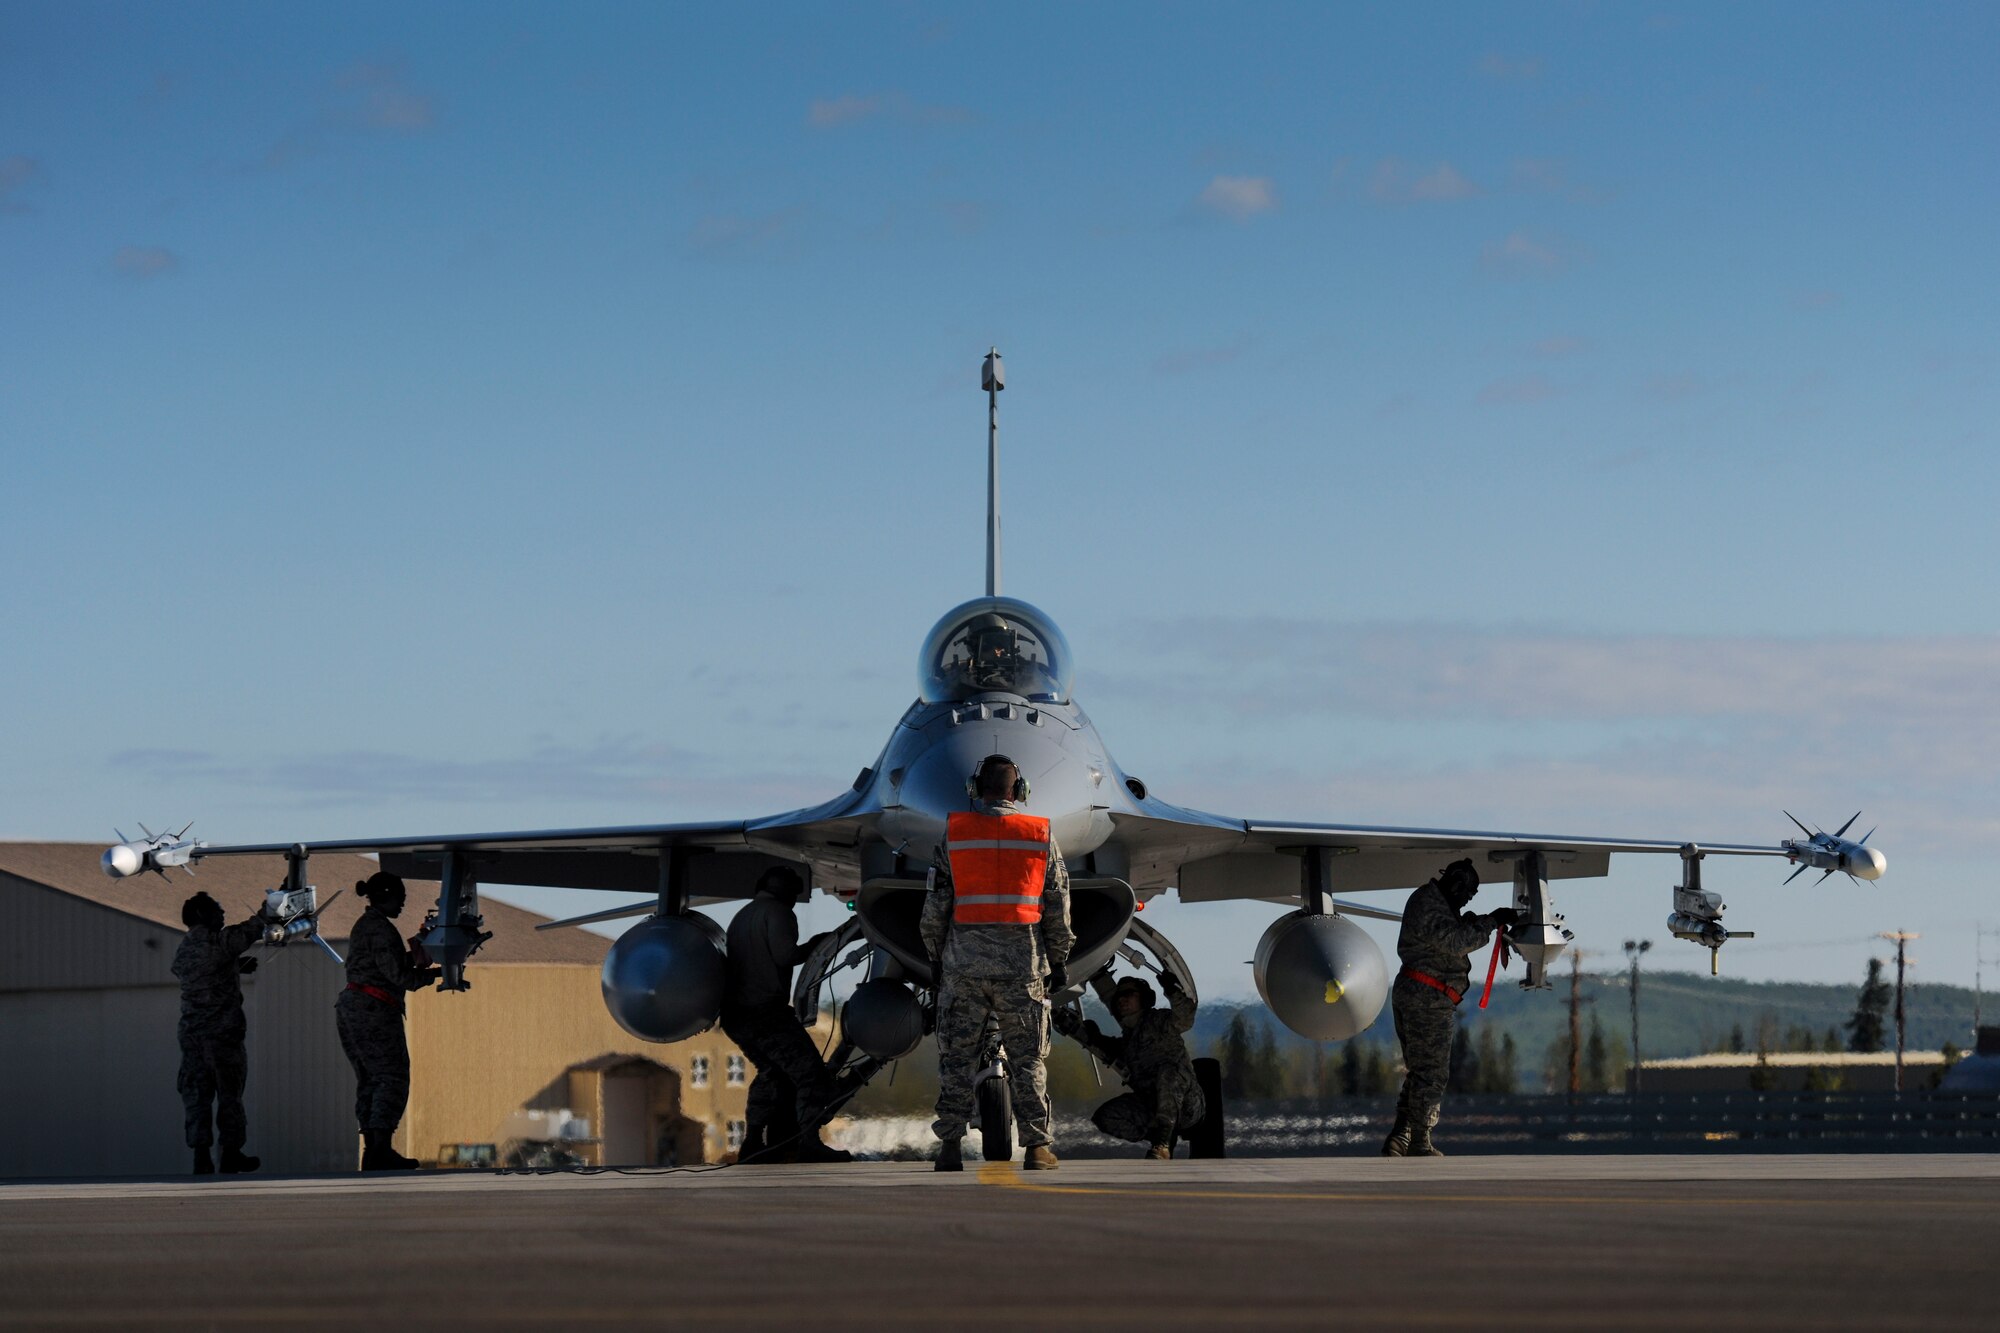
[1576, 418]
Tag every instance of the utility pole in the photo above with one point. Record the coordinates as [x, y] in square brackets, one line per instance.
[1978, 969]
[1634, 948]
[1899, 938]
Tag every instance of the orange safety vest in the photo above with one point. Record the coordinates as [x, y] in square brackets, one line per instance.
[998, 863]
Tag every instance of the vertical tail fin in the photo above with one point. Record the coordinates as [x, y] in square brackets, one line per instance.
[992, 378]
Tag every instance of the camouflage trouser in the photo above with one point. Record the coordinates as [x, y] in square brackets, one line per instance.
[1424, 1022]
[791, 1077]
[964, 1004]
[213, 1068]
[371, 1033]
[1157, 1112]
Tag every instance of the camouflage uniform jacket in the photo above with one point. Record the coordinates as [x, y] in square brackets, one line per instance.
[211, 989]
[1151, 1046]
[377, 956]
[1437, 939]
[998, 952]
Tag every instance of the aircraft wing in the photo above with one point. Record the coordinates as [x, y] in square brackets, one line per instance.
[1211, 858]
[623, 858]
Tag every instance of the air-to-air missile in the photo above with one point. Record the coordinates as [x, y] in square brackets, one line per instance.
[1828, 852]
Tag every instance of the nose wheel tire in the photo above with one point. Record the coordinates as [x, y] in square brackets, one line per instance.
[996, 1119]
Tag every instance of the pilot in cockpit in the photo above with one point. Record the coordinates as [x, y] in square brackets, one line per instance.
[995, 661]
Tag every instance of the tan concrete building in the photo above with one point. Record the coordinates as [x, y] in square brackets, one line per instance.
[88, 1011]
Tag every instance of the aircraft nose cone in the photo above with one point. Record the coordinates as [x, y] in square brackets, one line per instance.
[1867, 863]
[123, 860]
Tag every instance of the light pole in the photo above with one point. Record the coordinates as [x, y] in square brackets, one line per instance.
[1633, 949]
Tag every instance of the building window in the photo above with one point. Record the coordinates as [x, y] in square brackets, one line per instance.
[698, 1071]
[736, 1132]
[735, 1071]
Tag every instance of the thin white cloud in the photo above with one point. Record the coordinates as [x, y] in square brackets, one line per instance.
[1238, 198]
[1690, 722]
[363, 100]
[144, 261]
[610, 771]
[1528, 389]
[1675, 388]
[1187, 360]
[1523, 253]
[1395, 182]
[1548, 175]
[16, 173]
[1510, 69]
[774, 235]
[381, 100]
[826, 113]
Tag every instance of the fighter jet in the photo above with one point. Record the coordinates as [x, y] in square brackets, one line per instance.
[994, 677]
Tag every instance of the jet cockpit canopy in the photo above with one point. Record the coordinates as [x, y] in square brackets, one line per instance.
[995, 645]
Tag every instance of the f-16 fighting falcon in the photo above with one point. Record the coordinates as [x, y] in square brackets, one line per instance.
[995, 677]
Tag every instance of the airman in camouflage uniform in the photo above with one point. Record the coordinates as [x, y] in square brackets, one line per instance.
[1150, 1055]
[381, 969]
[210, 964]
[793, 1091]
[1005, 972]
[1435, 944]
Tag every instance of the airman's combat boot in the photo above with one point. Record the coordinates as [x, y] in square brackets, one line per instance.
[1398, 1142]
[949, 1157]
[1041, 1157]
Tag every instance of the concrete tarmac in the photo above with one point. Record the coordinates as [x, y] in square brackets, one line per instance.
[1787, 1241]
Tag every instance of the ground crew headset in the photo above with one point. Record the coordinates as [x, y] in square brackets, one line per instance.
[1020, 792]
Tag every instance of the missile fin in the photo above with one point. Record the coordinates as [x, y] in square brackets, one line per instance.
[121, 833]
[1869, 834]
[1796, 873]
[1795, 819]
[148, 832]
[1823, 879]
[1841, 832]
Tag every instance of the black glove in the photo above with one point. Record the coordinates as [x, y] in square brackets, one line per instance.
[1505, 917]
[245, 966]
[1058, 978]
[1169, 982]
[1067, 1021]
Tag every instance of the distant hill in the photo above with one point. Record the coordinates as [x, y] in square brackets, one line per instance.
[1680, 1013]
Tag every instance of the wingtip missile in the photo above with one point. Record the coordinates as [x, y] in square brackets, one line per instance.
[1829, 852]
[155, 852]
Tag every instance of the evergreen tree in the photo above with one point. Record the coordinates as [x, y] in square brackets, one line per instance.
[1865, 1028]
[1831, 1042]
[1596, 1060]
[1505, 1079]
[1236, 1057]
[1736, 1045]
[1375, 1074]
[1267, 1072]
[1463, 1073]
[1350, 1069]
